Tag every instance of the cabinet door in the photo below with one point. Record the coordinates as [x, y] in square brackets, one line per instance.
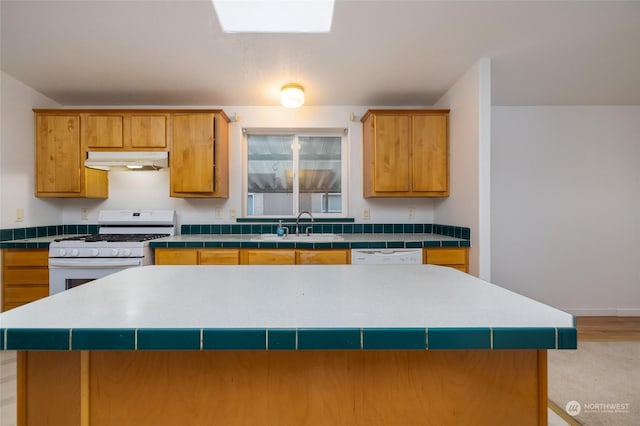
[455, 257]
[148, 131]
[269, 257]
[58, 154]
[391, 153]
[176, 256]
[218, 257]
[105, 131]
[430, 163]
[192, 153]
[322, 257]
[25, 276]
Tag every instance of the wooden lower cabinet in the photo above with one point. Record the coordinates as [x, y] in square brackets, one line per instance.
[191, 256]
[25, 276]
[268, 257]
[218, 257]
[285, 388]
[323, 257]
[455, 257]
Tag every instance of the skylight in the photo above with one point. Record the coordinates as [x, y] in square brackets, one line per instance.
[274, 16]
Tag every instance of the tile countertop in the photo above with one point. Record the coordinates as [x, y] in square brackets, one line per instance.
[348, 241]
[277, 307]
[241, 235]
[246, 241]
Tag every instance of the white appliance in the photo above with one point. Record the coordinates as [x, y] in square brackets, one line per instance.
[122, 242]
[386, 256]
[127, 160]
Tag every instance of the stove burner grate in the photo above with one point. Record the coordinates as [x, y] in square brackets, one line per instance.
[115, 238]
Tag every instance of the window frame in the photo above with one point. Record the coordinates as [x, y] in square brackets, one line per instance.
[296, 133]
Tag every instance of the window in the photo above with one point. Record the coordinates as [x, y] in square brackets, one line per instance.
[288, 173]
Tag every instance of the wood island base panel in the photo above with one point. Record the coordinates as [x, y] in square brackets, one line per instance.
[283, 388]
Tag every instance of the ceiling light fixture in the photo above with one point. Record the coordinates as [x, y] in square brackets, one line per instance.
[292, 95]
[274, 16]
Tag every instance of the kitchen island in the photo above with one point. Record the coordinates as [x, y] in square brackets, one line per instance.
[275, 345]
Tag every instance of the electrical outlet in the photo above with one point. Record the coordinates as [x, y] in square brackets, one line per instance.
[232, 213]
[19, 214]
[218, 213]
[84, 214]
[366, 213]
[412, 213]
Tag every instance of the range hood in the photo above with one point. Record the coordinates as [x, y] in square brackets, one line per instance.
[127, 160]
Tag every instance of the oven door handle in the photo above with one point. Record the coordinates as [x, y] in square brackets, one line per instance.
[118, 263]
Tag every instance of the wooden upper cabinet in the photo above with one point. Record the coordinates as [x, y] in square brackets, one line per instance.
[197, 141]
[430, 160]
[126, 130]
[148, 131]
[405, 153]
[59, 169]
[199, 155]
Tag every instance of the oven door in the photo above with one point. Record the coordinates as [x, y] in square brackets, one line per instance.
[68, 273]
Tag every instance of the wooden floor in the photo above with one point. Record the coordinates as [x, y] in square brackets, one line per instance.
[608, 329]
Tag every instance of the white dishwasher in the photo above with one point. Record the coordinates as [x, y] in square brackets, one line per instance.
[386, 256]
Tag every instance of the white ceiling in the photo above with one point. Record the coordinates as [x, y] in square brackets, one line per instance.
[392, 53]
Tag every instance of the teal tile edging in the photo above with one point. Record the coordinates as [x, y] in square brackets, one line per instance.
[289, 339]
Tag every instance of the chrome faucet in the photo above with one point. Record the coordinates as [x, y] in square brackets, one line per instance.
[308, 230]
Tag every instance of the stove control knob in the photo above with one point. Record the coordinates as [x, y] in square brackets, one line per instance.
[75, 252]
[114, 252]
[62, 252]
[95, 252]
[126, 252]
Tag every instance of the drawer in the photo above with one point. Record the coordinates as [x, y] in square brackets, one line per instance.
[320, 257]
[11, 305]
[218, 257]
[25, 276]
[25, 257]
[176, 257]
[25, 294]
[446, 256]
[270, 257]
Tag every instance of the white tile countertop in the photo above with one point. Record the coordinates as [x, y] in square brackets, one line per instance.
[345, 237]
[418, 303]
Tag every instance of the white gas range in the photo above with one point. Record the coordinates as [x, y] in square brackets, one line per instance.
[122, 242]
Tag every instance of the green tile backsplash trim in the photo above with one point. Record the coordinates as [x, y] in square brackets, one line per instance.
[268, 226]
[9, 238]
[32, 232]
[288, 339]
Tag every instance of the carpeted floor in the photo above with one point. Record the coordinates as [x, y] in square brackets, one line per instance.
[599, 384]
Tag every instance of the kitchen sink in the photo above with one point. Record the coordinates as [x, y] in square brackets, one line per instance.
[312, 238]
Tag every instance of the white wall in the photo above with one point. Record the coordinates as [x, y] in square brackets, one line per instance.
[17, 157]
[566, 206]
[469, 100]
[151, 189]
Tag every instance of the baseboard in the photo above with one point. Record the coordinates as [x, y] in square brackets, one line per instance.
[629, 312]
[622, 312]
